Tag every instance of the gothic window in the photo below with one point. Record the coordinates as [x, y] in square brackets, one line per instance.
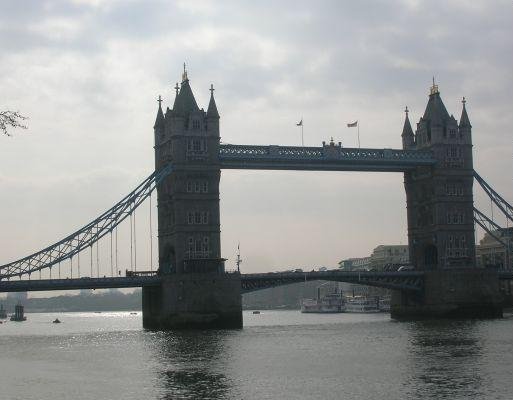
[460, 190]
[189, 186]
[206, 244]
[190, 218]
[204, 217]
[197, 217]
[195, 124]
[198, 245]
[196, 187]
[204, 187]
[452, 133]
[190, 245]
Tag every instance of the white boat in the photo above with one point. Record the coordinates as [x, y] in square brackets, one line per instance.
[362, 304]
[330, 303]
[384, 304]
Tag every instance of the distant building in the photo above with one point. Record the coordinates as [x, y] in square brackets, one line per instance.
[355, 264]
[381, 256]
[492, 253]
[384, 255]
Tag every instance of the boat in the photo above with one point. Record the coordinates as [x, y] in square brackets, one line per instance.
[3, 312]
[18, 315]
[329, 303]
[56, 321]
[384, 304]
[362, 304]
[256, 312]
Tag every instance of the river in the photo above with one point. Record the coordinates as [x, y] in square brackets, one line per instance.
[277, 355]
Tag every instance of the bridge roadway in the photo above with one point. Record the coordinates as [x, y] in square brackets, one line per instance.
[330, 157]
[405, 280]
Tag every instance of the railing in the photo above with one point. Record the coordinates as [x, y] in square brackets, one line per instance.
[234, 151]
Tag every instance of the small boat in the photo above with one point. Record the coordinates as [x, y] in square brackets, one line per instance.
[133, 313]
[256, 312]
[18, 315]
[56, 321]
[3, 312]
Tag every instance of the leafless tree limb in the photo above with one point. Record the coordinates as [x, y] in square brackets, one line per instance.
[11, 119]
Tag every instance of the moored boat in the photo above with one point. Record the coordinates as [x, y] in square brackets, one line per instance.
[362, 304]
[329, 303]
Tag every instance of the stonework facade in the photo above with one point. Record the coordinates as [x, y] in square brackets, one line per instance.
[439, 199]
[187, 137]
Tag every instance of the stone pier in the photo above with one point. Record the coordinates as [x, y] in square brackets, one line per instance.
[452, 293]
[194, 300]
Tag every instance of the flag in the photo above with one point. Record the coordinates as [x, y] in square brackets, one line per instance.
[353, 124]
[300, 123]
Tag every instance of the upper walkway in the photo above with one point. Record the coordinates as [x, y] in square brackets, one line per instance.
[330, 157]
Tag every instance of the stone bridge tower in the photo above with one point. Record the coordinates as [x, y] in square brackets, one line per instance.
[439, 199]
[196, 290]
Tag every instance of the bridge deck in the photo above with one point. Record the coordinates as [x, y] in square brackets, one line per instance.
[325, 158]
[76, 284]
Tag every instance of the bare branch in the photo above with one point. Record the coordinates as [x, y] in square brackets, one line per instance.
[11, 119]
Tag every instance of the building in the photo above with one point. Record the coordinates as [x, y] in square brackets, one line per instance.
[491, 253]
[385, 255]
[355, 264]
[382, 256]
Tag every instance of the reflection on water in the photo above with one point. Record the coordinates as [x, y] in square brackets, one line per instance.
[190, 364]
[446, 360]
[278, 355]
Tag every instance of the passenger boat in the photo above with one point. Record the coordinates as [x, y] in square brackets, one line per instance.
[18, 315]
[330, 303]
[362, 304]
[384, 304]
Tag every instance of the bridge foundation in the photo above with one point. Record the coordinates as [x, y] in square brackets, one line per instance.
[454, 293]
[194, 300]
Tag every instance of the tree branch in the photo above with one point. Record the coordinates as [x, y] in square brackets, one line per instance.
[11, 119]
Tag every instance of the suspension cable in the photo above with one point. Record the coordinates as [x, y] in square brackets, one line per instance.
[97, 259]
[151, 239]
[135, 244]
[117, 250]
[91, 254]
[131, 241]
[111, 270]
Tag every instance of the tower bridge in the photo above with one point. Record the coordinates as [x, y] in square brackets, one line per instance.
[191, 286]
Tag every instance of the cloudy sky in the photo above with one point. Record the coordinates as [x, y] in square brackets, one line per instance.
[87, 73]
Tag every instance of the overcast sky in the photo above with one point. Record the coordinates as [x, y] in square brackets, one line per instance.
[87, 73]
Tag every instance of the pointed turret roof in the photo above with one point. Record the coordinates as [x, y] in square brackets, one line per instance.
[407, 130]
[212, 108]
[435, 109]
[159, 121]
[464, 120]
[185, 101]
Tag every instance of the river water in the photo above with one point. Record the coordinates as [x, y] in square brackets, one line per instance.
[278, 355]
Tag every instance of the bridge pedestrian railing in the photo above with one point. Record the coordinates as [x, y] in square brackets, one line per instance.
[330, 157]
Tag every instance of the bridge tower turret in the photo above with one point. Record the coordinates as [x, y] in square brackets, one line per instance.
[196, 291]
[439, 198]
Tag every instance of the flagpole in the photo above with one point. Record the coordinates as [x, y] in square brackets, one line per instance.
[302, 136]
[358, 126]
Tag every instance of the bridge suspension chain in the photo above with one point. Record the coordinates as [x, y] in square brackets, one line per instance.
[496, 198]
[87, 235]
